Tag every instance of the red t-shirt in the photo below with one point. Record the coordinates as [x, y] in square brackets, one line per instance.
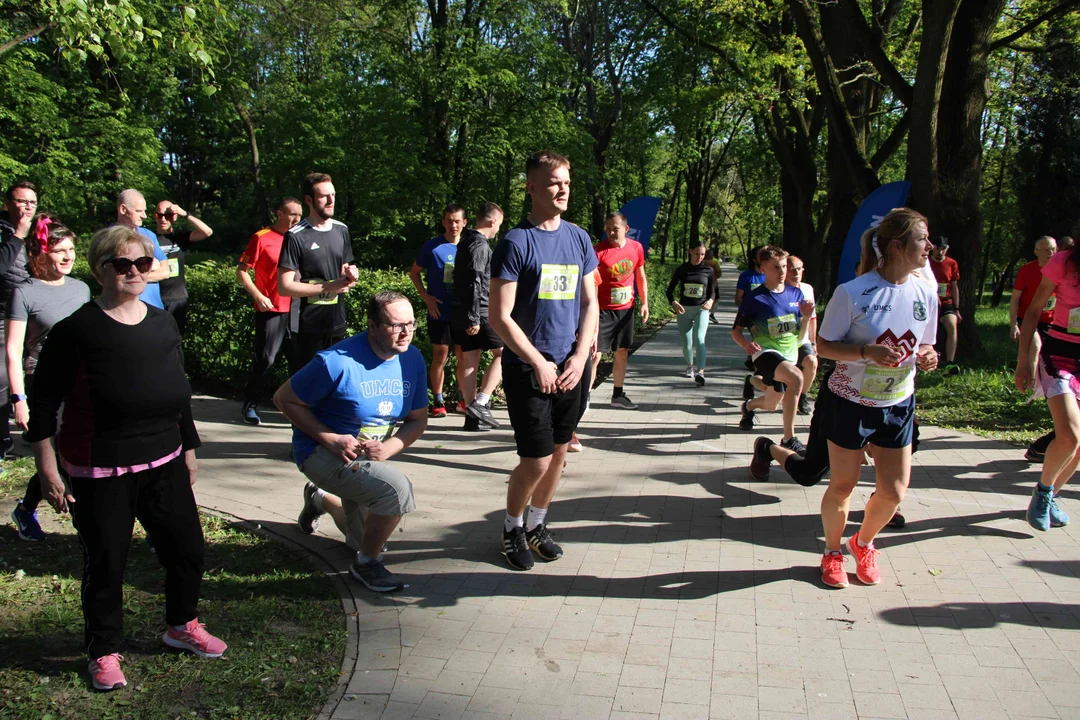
[946, 272]
[617, 267]
[262, 253]
[1027, 282]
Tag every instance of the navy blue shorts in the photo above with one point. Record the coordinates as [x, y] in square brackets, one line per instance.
[854, 425]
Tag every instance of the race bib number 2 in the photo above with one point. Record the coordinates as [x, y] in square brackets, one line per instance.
[559, 282]
[885, 383]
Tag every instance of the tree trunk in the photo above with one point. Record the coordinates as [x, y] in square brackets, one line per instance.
[959, 151]
[261, 206]
[1002, 281]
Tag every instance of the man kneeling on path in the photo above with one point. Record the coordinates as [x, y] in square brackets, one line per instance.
[344, 405]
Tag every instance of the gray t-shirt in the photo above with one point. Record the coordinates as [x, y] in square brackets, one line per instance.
[41, 306]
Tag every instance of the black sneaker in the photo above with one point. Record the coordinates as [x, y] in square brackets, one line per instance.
[542, 544]
[308, 520]
[375, 576]
[747, 421]
[699, 377]
[474, 425]
[897, 522]
[759, 464]
[804, 405]
[516, 549]
[1033, 455]
[792, 443]
[623, 402]
[952, 369]
[748, 389]
[482, 413]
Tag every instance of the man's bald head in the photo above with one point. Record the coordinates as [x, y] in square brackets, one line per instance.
[130, 208]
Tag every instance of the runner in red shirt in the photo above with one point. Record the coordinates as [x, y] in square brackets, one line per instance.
[622, 261]
[272, 310]
[947, 273]
[1027, 282]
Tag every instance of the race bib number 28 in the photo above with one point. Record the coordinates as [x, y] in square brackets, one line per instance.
[559, 282]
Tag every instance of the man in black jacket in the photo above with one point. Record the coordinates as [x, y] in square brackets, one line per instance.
[469, 317]
[20, 205]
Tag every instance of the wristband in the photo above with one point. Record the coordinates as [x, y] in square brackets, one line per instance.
[16, 397]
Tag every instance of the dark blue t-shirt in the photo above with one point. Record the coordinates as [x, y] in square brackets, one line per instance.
[352, 390]
[152, 294]
[749, 279]
[549, 267]
[437, 258]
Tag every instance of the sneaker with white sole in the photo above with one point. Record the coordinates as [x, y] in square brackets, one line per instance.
[194, 638]
[482, 413]
[623, 402]
[515, 547]
[375, 576]
[689, 372]
[26, 522]
[575, 445]
[543, 544]
[105, 672]
[308, 520]
[699, 377]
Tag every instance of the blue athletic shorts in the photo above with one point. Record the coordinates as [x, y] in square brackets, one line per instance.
[854, 425]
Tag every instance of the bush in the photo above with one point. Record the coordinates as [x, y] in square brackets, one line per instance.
[219, 343]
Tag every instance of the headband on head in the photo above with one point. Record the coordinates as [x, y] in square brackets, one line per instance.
[41, 232]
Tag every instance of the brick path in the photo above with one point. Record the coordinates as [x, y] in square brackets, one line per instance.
[688, 590]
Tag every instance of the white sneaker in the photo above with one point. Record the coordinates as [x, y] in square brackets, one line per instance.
[689, 371]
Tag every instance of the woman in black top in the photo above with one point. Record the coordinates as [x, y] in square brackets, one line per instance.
[125, 449]
[696, 298]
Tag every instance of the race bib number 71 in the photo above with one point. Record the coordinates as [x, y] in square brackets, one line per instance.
[559, 282]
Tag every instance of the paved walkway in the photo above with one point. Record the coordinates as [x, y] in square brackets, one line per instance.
[688, 590]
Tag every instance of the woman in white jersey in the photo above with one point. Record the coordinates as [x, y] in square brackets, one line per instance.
[1059, 381]
[876, 327]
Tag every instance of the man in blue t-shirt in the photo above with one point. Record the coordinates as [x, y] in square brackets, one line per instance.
[749, 278]
[436, 261]
[344, 406]
[131, 212]
[543, 299]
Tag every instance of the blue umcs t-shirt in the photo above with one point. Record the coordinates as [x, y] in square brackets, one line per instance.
[152, 294]
[549, 267]
[352, 390]
[773, 319]
[437, 258]
[749, 279]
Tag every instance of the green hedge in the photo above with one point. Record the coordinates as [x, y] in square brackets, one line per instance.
[220, 336]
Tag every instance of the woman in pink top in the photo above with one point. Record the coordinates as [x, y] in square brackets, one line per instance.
[1058, 377]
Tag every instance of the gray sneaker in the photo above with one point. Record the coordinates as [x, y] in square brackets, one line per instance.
[375, 576]
[623, 402]
[308, 520]
[482, 413]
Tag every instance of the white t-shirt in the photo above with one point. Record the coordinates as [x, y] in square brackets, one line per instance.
[808, 295]
[868, 310]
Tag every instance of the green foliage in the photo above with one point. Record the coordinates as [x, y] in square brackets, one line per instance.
[281, 618]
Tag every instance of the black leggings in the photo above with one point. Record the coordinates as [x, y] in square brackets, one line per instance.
[32, 497]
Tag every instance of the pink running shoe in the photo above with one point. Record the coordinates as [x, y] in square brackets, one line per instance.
[833, 572]
[195, 638]
[865, 561]
[106, 674]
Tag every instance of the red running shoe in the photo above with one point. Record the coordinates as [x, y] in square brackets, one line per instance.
[106, 674]
[865, 560]
[437, 410]
[833, 573]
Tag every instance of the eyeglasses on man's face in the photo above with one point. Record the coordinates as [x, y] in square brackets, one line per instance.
[399, 327]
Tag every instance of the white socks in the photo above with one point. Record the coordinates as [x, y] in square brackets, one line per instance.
[536, 517]
[316, 500]
[482, 398]
[512, 522]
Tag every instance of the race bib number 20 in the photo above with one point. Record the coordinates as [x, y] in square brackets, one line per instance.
[782, 325]
[559, 282]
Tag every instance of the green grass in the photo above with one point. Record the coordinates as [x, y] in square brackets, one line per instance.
[982, 398]
[281, 618]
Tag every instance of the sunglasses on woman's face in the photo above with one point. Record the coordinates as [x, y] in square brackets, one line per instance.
[121, 264]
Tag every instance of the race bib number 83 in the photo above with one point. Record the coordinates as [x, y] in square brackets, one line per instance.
[559, 282]
[884, 383]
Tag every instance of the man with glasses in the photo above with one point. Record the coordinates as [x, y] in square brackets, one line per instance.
[131, 212]
[174, 243]
[316, 266]
[20, 204]
[344, 406]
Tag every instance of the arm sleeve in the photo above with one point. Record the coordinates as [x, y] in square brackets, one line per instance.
[251, 253]
[481, 267]
[1018, 283]
[10, 246]
[290, 253]
[419, 398]
[743, 283]
[676, 278]
[834, 327]
[53, 380]
[159, 254]
[16, 307]
[189, 436]
[423, 258]
[710, 291]
[313, 382]
[347, 253]
[591, 262]
[507, 261]
[930, 333]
